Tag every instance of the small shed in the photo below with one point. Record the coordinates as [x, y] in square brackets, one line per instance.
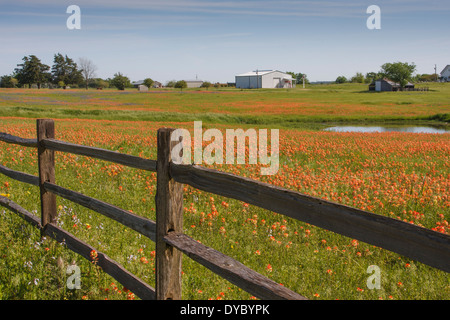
[264, 79]
[388, 85]
[142, 88]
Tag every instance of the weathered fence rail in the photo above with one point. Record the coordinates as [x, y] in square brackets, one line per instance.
[421, 244]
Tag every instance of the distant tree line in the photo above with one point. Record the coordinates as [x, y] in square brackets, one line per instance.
[400, 72]
[64, 73]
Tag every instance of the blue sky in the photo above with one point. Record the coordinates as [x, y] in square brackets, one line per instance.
[215, 40]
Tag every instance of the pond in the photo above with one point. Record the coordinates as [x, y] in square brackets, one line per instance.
[410, 129]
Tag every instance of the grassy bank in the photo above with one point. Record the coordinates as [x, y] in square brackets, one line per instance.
[297, 107]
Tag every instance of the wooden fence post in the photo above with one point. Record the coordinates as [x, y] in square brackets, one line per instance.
[46, 163]
[169, 217]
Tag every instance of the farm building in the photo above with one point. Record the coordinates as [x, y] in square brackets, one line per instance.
[264, 79]
[194, 83]
[445, 74]
[142, 88]
[136, 84]
[387, 85]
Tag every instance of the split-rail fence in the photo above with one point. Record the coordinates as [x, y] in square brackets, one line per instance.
[421, 244]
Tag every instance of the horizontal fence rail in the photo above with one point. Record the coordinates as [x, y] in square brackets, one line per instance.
[111, 267]
[93, 152]
[112, 156]
[142, 225]
[20, 176]
[230, 269]
[418, 243]
[5, 137]
[27, 216]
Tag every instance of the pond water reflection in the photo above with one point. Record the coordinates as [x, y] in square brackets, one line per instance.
[410, 129]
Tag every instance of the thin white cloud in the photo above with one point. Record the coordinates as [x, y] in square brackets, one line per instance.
[248, 8]
[340, 8]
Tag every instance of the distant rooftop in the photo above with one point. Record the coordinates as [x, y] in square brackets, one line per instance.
[257, 72]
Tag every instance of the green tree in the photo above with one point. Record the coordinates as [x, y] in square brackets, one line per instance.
[341, 79]
[32, 71]
[148, 82]
[100, 83]
[170, 84]
[181, 84]
[371, 76]
[65, 71]
[425, 77]
[357, 78]
[120, 81]
[8, 82]
[298, 77]
[400, 72]
[206, 84]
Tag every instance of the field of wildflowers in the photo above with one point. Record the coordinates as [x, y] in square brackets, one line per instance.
[402, 175]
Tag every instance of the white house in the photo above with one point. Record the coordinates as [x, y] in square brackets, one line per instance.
[264, 79]
[445, 74]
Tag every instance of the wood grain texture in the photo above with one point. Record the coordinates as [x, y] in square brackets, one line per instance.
[46, 162]
[231, 269]
[20, 176]
[169, 217]
[103, 154]
[418, 243]
[5, 137]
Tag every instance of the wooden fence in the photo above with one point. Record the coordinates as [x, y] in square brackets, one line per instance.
[420, 244]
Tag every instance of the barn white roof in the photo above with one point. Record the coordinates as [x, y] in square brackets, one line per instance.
[260, 73]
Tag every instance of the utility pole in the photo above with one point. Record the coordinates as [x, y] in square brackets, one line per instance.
[435, 72]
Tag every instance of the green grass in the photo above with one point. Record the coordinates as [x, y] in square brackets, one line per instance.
[282, 107]
[403, 176]
[384, 173]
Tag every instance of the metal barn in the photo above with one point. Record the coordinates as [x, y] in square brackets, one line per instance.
[445, 74]
[264, 79]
